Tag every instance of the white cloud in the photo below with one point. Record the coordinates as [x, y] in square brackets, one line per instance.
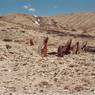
[25, 7]
[29, 8]
[32, 9]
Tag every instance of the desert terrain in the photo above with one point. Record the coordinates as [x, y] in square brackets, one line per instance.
[23, 71]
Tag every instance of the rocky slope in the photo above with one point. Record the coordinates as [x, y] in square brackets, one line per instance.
[24, 72]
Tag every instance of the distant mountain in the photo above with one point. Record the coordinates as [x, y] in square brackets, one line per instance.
[73, 23]
[73, 19]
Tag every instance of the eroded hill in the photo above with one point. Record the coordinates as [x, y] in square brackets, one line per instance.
[24, 72]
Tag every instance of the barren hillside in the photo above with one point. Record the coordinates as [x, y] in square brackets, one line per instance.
[23, 71]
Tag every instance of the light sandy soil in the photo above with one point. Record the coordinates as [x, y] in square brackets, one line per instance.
[24, 72]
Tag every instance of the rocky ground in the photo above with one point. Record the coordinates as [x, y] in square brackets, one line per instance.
[24, 72]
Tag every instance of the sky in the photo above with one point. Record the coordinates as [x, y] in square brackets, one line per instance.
[46, 7]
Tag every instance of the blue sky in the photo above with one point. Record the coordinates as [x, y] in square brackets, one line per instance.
[46, 7]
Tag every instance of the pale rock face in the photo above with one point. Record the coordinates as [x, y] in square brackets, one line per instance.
[35, 16]
[36, 22]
